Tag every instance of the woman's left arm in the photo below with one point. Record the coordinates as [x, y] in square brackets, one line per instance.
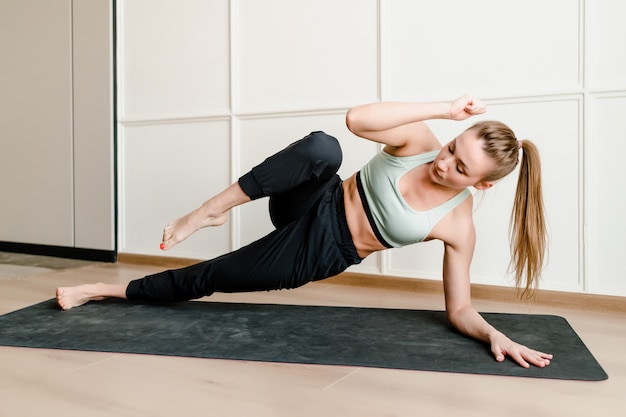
[456, 265]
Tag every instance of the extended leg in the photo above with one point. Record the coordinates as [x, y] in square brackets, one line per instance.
[68, 297]
[304, 250]
[315, 246]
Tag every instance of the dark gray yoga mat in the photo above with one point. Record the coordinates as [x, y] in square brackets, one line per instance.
[370, 337]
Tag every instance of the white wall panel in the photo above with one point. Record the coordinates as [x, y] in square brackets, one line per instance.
[296, 54]
[175, 57]
[169, 170]
[494, 48]
[606, 48]
[606, 222]
[553, 127]
[36, 130]
[262, 137]
[423, 260]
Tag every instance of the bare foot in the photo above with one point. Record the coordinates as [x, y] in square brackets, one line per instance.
[213, 212]
[68, 297]
[181, 229]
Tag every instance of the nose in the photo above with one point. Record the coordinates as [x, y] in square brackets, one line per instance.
[441, 165]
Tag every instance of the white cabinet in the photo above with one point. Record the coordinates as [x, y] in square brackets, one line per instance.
[56, 134]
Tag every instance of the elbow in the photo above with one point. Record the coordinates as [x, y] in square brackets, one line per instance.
[452, 317]
[354, 121]
[456, 315]
[351, 120]
[458, 320]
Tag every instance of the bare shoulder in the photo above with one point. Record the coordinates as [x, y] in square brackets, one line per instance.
[456, 229]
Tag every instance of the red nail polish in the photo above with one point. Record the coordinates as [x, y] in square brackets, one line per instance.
[162, 246]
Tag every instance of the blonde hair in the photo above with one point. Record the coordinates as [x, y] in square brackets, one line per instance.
[527, 230]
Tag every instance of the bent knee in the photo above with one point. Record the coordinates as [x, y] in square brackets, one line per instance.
[326, 148]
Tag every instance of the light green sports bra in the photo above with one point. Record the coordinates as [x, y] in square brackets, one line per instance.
[394, 222]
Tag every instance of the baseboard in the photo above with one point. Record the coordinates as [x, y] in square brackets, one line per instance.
[84, 254]
[162, 261]
[562, 299]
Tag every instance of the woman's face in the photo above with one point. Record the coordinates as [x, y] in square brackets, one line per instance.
[462, 163]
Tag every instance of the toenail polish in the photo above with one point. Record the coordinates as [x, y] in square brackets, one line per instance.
[162, 246]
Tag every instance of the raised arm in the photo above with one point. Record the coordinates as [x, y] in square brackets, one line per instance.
[456, 264]
[400, 124]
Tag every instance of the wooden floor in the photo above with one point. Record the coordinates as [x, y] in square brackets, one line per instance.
[39, 382]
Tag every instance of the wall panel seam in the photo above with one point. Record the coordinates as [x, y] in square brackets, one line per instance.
[582, 206]
[174, 120]
[235, 139]
[73, 122]
[120, 37]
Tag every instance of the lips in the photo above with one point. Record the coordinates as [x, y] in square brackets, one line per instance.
[436, 171]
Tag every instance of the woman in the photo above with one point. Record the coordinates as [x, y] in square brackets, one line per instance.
[413, 191]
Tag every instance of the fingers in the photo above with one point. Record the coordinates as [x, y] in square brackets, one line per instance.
[539, 359]
[524, 356]
[475, 106]
[498, 353]
[502, 346]
[466, 106]
[519, 358]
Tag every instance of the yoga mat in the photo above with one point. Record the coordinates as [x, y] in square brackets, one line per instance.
[363, 337]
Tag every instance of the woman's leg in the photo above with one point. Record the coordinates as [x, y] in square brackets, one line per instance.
[293, 178]
[213, 212]
[265, 264]
[306, 249]
[68, 297]
[290, 178]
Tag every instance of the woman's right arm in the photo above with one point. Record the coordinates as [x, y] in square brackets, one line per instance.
[399, 124]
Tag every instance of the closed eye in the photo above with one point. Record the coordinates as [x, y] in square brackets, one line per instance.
[459, 167]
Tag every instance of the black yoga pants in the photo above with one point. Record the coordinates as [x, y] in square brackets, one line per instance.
[311, 240]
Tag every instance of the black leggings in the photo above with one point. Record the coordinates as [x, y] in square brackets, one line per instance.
[311, 240]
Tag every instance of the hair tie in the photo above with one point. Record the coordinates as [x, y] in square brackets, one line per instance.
[519, 144]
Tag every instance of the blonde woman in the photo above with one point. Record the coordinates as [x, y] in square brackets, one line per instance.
[415, 190]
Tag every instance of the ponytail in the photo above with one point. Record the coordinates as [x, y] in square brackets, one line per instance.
[527, 226]
[527, 230]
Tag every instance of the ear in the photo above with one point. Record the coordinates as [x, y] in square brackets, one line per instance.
[483, 185]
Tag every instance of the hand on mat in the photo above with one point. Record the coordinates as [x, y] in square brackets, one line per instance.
[466, 106]
[502, 346]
